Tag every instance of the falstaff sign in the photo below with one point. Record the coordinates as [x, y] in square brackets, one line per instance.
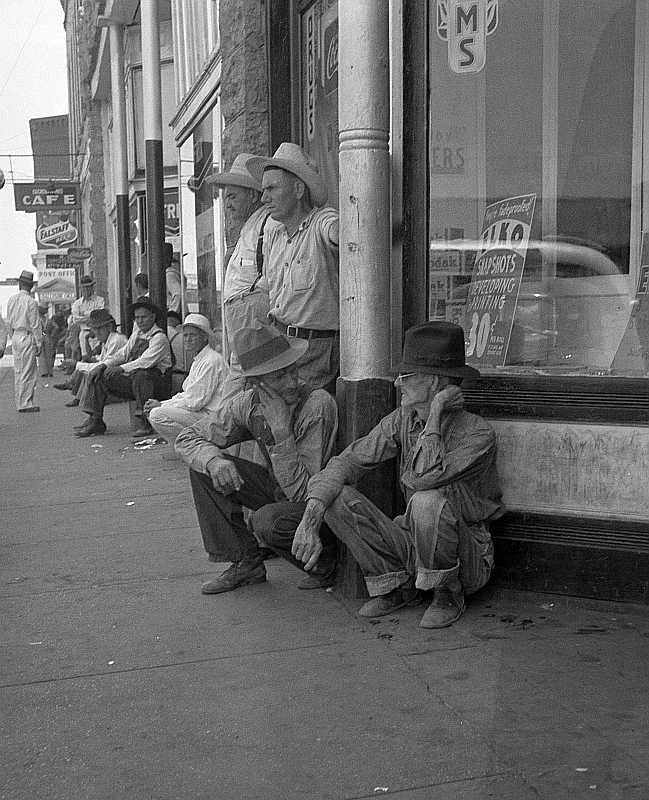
[32, 197]
[496, 279]
[465, 25]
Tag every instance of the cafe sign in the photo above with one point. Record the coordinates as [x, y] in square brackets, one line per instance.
[465, 25]
[46, 196]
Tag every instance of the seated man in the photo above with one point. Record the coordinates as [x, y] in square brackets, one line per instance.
[201, 389]
[141, 369]
[447, 460]
[295, 428]
[104, 329]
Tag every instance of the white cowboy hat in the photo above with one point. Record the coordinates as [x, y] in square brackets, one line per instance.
[293, 159]
[264, 349]
[237, 175]
[198, 321]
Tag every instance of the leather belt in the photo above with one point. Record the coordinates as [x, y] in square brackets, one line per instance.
[292, 331]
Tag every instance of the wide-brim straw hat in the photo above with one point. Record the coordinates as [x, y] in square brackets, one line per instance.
[293, 159]
[436, 348]
[264, 349]
[237, 175]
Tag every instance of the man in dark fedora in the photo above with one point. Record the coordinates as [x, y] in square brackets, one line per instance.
[140, 370]
[295, 428]
[24, 329]
[447, 465]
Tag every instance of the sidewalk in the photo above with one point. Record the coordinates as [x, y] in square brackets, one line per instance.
[120, 680]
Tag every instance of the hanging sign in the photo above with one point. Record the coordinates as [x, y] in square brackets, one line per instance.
[465, 25]
[59, 234]
[496, 279]
[32, 197]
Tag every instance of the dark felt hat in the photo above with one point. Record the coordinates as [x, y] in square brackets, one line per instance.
[26, 277]
[264, 349]
[436, 348]
[99, 317]
[145, 302]
[87, 280]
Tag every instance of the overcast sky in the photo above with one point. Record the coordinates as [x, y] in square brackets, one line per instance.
[33, 83]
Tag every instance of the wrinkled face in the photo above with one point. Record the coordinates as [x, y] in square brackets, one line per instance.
[283, 382]
[144, 318]
[281, 194]
[239, 202]
[416, 388]
[194, 338]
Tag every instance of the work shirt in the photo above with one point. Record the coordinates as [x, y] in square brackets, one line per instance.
[239, 419]
[115, 342]
[242, 269]
[302, 271]
[461, 461]
[201, 387]
[157, 353]
[81, 309]
[22, 315]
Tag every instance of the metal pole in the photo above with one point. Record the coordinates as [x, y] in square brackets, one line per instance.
[120, 172]
[152, 101]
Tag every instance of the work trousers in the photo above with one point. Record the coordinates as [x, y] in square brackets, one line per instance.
[25, 368]
[141, 385]
[424, 544]
[169, 420]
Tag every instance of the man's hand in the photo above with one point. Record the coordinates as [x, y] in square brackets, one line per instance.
[151, 403]
[277, 414]
[225, 476]
[306, 542]
[449, 399]
[111, 371]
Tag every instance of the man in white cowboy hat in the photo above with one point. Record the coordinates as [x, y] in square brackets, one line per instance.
[295, 428]
[245, 287]
[447, 458]
[201, 389]
[301, 256]
[81, 308]
[24, 329]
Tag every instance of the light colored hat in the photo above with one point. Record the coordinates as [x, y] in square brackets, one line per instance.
[293, 159]
[198, 321]
[264, 349]
[237, 175]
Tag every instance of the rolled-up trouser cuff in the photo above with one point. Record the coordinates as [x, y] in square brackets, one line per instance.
[382, 584]
[428, 579]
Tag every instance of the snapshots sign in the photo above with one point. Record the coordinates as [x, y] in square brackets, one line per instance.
[496, 280]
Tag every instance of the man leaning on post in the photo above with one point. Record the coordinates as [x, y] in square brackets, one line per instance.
[295, 428]
[447, 466]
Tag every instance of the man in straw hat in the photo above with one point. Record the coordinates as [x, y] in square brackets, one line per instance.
[81, 308]
[201, 389]
[24, 329]
[139, 370]
[245, 287]
[301, 256]
[295, 428]
[447, 457]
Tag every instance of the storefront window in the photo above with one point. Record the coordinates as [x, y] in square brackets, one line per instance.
[535, 164]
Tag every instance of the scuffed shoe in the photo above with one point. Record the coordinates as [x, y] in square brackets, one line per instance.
[387, 603]
[447, 607]
[239, 573]
[96, 427]
[62, 386]
[72, 403]
[30, 410]
[319, 577]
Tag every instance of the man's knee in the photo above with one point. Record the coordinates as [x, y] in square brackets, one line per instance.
[427, 502]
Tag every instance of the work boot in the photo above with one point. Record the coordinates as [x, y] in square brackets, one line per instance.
[387, 603]
[94, 427]
[72, 403]
[322, 576]
[143, 428]
[239, 573]
[447, 606]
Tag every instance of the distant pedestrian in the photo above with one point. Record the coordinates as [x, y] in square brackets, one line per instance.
[3, 336]
[24, 328]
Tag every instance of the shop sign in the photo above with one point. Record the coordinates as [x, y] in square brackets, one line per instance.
[32, 197]
[172, 216]
[77, 255]
[496, 279]
[465, 25]
[330, 57]
[57, 284]
[58, 234]
[311, 80]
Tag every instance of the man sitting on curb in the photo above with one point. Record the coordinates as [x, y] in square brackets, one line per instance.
[447, 460]
[201, 389]
[103, 328]
[139, 371]
[295, 428]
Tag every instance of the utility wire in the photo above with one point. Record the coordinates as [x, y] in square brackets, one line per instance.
[24, 45]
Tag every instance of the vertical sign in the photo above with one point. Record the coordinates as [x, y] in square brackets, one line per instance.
[496, 279]
[311, 72]
[465, 25]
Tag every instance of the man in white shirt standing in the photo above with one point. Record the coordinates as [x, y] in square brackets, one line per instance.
[24, 328]
[81, 308]
[201, 389]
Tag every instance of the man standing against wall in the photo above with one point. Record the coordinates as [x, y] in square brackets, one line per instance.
[81, 308]
[24, 328]
[301, 255]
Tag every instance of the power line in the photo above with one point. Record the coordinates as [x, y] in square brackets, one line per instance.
[24, 45]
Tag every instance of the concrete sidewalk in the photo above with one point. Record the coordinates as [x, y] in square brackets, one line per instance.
[120, 680]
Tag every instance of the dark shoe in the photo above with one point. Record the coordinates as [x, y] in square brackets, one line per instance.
[72, 403]
[96, 427]
[62, 386]
[387, 603]
[142, 432]
[319, 578]
[239, 573]
[31, 410]
[447, 607]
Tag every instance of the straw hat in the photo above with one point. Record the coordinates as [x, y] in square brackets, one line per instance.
[293, 159]
[264, 349]
[198, 321]
[237, 175]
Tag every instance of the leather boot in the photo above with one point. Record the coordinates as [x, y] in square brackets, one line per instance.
[448, 604]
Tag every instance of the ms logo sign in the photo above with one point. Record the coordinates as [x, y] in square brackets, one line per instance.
[465, 25]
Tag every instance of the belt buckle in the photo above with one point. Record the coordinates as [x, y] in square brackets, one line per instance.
[292, 331]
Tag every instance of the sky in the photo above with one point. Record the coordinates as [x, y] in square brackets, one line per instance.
[33, 83]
